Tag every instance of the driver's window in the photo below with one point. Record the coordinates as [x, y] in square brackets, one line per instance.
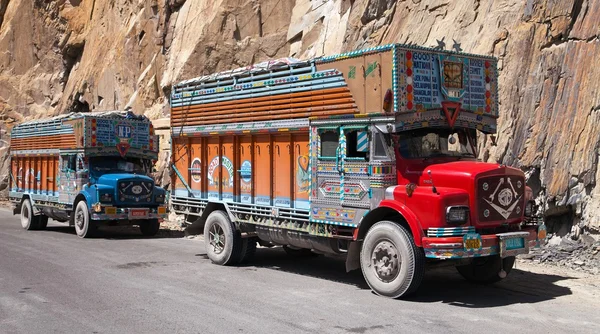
[69, 163]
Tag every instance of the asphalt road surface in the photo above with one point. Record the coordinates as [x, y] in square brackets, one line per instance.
[54, 282]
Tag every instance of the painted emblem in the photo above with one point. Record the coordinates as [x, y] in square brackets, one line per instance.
[505, 197]
[136, 190]
[123, 130]
[302, 175]
[228, 166]
[196, 170]
[246, 171]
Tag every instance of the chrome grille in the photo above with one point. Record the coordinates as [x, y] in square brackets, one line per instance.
[440, 232]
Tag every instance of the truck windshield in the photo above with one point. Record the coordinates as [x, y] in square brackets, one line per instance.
[431, 143]
[118, 164]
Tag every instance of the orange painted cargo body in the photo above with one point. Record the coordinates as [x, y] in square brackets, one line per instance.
[264, 169]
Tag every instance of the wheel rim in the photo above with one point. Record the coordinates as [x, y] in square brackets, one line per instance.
[25, 216]
[79, 219]
[216, 238]
[386, 261]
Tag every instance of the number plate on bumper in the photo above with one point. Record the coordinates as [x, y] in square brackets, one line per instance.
[513, 243]
[138, 213]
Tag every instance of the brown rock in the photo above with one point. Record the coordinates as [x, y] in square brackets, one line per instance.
[57, 56]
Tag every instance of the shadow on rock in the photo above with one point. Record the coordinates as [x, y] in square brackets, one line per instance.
[439, 285]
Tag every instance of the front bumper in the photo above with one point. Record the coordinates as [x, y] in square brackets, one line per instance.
[491, 244]
[113, 213]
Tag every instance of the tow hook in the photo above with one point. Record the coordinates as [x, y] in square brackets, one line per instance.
[502, 273]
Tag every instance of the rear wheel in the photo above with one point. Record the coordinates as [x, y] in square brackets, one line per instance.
[486, 270]
[43, 222]
[391, 263]
[84, 226]
[222, 241]
[28, 220]
[150, 227]
[248, 250]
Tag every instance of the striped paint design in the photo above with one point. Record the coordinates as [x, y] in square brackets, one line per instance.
[362, 141]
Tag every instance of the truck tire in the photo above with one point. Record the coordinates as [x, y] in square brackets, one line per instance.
[84, 226]
[223, 241]
[150, 227]
[248, 250]
[28, 220]
[43, 222]
[391, 263]
[485, 270]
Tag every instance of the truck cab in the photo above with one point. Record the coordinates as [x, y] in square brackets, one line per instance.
[88, 170]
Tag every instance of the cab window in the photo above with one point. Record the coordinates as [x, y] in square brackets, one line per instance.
[329, 144]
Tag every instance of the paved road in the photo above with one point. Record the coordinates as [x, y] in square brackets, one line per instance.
[53, 282]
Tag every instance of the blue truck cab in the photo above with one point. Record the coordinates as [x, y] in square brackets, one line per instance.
[86, 169]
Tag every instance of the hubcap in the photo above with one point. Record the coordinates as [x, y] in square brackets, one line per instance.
[217, 238]
[80, 219]
[385, 261]
[25, 216]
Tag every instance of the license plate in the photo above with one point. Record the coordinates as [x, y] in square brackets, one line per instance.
[110, 211]
[138, 213]
[162, 210]
[514, 243]
[472, 242]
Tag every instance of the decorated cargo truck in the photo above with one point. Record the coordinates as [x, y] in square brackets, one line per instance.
[86, 169]
[371, 154]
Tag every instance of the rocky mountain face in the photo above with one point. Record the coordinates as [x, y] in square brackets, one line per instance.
[69, 55]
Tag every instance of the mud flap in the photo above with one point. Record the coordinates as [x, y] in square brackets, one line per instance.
[353, 257]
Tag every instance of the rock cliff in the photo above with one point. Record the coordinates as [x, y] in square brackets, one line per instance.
[67, 55]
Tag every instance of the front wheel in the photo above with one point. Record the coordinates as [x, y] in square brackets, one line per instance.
[391, 263]
[150, 227]
[487, 270]
[84, 226]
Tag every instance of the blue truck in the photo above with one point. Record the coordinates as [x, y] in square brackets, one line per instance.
[86, 169]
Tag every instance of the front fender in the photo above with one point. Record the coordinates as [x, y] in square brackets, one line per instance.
[410, 217]
[90, 195]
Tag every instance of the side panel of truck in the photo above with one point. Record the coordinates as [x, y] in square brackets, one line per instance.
[260, 169]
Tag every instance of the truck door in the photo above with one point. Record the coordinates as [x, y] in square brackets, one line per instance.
[67, 187]
[352, 164]
[343, 166]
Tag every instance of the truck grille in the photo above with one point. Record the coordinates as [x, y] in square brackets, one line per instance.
[135, 191]
[440, 232]
[500, 198]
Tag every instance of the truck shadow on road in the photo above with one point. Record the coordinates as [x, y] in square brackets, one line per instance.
[118, 232]
[439, 285]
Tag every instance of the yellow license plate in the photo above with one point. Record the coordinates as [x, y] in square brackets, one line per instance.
[472, 244]
[110, 210]
[162, 210]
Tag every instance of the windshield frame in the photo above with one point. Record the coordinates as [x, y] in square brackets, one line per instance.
[98, 165]
[465, 146]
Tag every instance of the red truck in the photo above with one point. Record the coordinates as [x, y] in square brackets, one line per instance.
[370, 153]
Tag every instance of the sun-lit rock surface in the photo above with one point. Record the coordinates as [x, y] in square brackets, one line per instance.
[60, 56]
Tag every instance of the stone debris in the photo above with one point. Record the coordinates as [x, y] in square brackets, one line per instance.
[582, 254]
